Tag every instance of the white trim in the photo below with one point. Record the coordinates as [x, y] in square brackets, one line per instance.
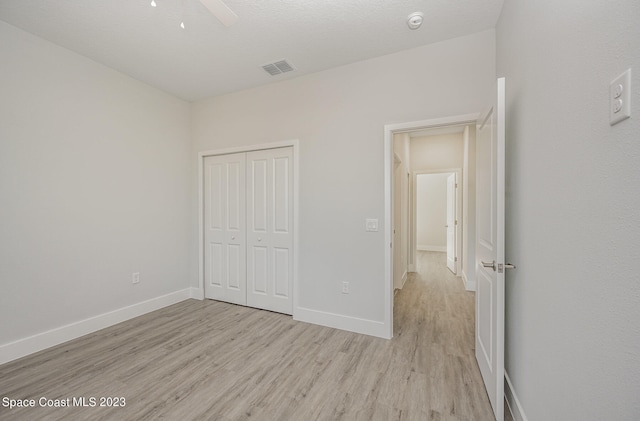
[295, 144]
[248, 148]
[389, 131]
[196, 293]
[468, 285]
[22, 347]
[339, 321]
[513, 403]
[426, 247]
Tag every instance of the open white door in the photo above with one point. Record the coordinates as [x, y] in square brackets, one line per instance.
[451, 223]
[490, 185]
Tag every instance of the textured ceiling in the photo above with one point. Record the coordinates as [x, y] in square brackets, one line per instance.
[208, 59]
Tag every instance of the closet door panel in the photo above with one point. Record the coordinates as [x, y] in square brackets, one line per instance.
[225, 227]
[270, 229]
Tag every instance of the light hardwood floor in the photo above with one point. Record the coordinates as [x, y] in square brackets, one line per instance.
[211, 360]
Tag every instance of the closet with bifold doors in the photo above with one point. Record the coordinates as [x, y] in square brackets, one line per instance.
[248, 228]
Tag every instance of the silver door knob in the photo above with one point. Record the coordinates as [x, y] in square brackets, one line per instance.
[259, 239]
[233, 238]
[502, 267]
[491, 265]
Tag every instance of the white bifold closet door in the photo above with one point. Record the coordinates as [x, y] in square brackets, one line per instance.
[249, 229]
[225, 228]
[270, 229]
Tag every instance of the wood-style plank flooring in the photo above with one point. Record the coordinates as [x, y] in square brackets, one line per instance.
[199, 360]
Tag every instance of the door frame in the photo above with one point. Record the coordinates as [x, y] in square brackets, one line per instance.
[407, 204]
[458, 210]
[389, 131]
[295, 144]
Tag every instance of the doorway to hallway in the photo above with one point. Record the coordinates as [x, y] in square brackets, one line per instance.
[398, 146]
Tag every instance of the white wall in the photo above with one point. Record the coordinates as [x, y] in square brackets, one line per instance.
[439, 152]
[573, 230]
[339, 116]
[431, 211]
[94, 176]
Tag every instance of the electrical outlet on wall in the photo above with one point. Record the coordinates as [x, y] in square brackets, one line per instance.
[620, 98]
[345, 287]
[135, 278]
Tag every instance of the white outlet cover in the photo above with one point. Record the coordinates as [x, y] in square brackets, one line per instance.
[372, 225]
[345, 287]
[620, 98]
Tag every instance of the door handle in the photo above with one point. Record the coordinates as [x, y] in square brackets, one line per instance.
[491, 265]
[259, 239]
[502, 267]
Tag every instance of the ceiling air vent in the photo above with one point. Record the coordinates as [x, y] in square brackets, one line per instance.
[278, 67]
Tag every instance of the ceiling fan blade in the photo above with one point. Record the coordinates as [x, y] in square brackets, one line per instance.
[220, 11]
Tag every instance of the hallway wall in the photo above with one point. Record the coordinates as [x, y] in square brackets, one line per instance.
[431, 214]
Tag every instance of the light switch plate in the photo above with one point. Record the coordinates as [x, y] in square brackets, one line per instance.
[372, 225]
[620, 98]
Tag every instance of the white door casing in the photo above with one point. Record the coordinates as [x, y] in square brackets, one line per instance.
[225, 228]
[270, 229]
[405, 246]
[451, 223]
[397, 225]
[490, 193]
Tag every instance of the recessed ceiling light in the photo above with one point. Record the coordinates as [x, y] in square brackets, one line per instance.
[414, 21]
[153, 3]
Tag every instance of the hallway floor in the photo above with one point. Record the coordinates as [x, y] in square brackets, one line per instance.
[435, 315]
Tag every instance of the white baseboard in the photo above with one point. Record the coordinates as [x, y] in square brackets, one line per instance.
[468, 285]
[22, 347]
[513, 403]
[197, 293]
[403, 280]
[338, 321]
[432, 248]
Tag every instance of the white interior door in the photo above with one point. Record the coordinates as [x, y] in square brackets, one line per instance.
[270, 229]
[451, 223]
[225, 228]
[490, 184]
